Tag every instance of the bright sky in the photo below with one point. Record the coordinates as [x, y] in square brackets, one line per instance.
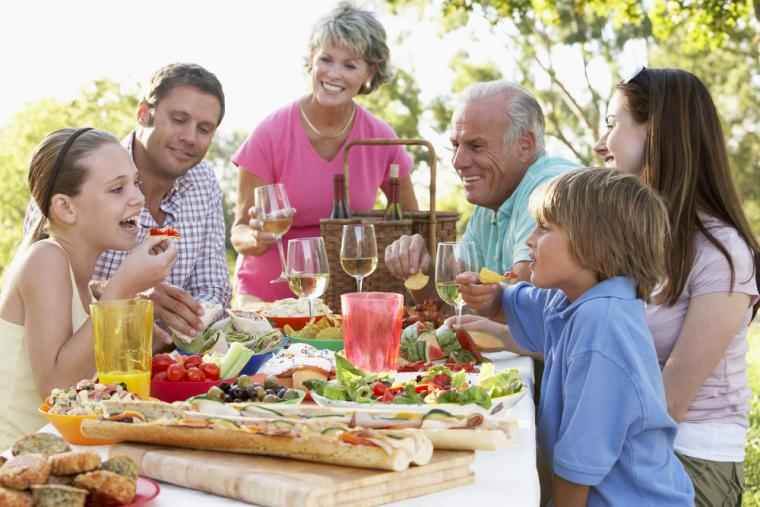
[50, 48]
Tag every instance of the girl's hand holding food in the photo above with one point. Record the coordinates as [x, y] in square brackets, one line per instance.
[149, 264]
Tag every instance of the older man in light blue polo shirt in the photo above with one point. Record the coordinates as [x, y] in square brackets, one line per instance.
[497, 132]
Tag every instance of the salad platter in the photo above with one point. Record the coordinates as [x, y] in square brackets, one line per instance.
[487, 393]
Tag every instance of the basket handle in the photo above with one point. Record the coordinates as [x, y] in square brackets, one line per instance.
[431, 163]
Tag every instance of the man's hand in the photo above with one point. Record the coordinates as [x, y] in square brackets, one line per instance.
[483, 299]
[406, 256]
[177, 308]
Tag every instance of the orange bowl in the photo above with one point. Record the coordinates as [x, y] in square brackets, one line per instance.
[297, 323]
[69, 426]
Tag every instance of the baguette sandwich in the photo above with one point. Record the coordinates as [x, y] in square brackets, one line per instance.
[320, 441]
[471, 432]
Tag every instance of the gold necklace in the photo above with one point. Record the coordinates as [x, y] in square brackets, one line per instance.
[320, 134]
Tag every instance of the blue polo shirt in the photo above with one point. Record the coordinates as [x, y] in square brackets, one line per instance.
[499, 236]
[602, 419]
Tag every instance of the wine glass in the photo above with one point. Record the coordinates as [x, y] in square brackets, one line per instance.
[274, 211]
[358, 251]
[453, 259]
[308, 271]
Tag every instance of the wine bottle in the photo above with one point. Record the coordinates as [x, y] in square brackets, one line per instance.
[339, 210]
[393, 210]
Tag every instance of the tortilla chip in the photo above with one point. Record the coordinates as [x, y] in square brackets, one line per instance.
[417, 281]
[488, 276]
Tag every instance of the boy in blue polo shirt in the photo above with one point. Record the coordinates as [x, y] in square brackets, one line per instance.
[596, 255]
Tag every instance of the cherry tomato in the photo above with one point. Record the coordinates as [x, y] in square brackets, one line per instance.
[161, 362]
[195, 374]
[387, 396]
[191, 361]
[211, 370]
[160, 376]
[378, 388]
[175, 372]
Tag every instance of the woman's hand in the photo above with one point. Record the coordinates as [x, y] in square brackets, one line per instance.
[250, 238]
[483, 299]
[149, 264]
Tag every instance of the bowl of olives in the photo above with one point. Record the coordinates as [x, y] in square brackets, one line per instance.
[244, 389]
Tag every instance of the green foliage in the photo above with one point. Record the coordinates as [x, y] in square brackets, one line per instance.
[752, 449]
[105, 105]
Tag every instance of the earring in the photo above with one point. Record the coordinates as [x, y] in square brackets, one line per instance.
[368, 84]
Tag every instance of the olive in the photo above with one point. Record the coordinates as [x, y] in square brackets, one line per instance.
[279, 390]
[236, 392]
[215, 393]
[256, 384]
[251, 390]
[244, 381]
[260, 394]
[270, 382]
[225, 387]
[227, 398]
[270, 398]
[290, 394]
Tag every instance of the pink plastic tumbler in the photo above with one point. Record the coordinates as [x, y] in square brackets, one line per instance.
[372, 329]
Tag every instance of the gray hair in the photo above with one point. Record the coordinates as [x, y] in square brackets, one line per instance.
[522, 109]
[359, 32]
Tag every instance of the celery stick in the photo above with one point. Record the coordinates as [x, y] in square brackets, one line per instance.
[234, 360]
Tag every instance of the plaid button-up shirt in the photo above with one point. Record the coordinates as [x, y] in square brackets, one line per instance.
[193, 206]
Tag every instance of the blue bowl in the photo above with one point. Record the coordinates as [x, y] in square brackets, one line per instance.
[256, 362]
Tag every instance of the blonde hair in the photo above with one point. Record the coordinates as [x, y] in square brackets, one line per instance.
[615, 224]
[71, 175]
[360, 32]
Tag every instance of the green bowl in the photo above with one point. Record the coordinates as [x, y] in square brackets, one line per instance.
[334, 345]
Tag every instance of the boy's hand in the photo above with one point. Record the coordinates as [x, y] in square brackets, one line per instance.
[482, 299]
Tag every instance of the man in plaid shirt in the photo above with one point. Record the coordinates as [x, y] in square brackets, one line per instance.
[176, 122]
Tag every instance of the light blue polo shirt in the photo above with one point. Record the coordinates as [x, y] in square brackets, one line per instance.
[499, 236]
[602, 419]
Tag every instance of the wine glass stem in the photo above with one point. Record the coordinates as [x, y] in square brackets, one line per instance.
[311, 307]
[459, 315]
[282, 256]
[359, 280]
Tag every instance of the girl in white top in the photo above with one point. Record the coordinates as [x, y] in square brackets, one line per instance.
[87, 187]
[662, 124]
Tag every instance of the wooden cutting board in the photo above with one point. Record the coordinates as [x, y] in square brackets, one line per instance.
[272, 481]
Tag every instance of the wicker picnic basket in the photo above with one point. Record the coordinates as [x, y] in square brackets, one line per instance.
[432, 225]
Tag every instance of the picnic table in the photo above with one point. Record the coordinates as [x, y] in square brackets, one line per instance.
[510, 473]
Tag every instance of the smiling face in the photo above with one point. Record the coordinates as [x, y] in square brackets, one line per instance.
[553, 265]
[337, 74]
[110, 201]
[489, 171]
[176, 134]
[622, 145]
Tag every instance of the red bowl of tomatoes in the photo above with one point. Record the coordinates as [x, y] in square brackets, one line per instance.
[177, 378]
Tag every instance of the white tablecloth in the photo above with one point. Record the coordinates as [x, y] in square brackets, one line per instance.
[506, 476]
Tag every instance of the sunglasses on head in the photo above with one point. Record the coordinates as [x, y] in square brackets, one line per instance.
[640, 77]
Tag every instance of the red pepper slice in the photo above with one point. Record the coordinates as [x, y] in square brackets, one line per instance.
[422, 387]
[166, 231]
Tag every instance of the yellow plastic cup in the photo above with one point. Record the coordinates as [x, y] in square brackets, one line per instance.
[123, 333]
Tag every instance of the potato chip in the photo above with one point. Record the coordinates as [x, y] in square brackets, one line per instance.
[488, 276]
[417, 281]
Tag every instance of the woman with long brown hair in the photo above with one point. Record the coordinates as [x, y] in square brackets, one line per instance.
[662, 124]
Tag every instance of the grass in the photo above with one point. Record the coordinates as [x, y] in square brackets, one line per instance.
[752, 457]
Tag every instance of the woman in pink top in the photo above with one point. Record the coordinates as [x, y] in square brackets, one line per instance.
[300, 145]
[662, 124]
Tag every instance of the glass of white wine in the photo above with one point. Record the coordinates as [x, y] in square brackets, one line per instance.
[274, 211]
[358, 252]
[453, 259]
[308, 271]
